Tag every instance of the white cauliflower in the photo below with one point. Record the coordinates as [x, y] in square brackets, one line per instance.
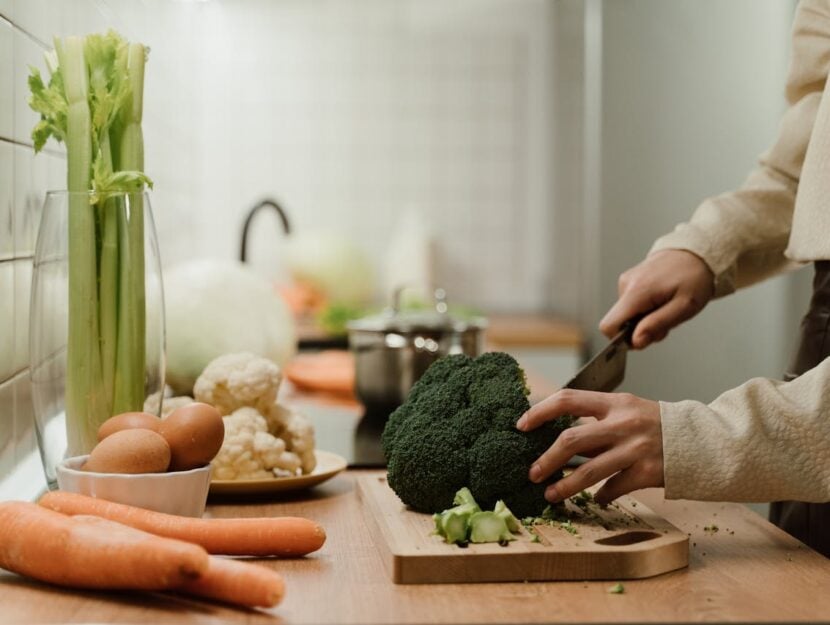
[238, 380]
[250, 451]
[296, 430]
[169, 403]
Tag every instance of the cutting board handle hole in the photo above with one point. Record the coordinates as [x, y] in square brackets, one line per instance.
[627, 538]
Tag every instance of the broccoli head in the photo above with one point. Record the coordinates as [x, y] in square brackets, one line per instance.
[457, 428]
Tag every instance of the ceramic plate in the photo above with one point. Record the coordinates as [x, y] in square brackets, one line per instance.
[328, 465]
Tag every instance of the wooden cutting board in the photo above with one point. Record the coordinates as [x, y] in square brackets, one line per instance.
[623, 541]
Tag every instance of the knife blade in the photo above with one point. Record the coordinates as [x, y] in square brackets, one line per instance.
[606, 371]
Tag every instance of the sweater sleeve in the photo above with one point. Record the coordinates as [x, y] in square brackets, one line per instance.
[742, 235]
[763, 441]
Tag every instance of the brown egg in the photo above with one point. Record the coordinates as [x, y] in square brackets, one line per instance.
[128, 421]
[130, 451]
[195, 433]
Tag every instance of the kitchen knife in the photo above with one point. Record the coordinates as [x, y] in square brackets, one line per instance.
[606, 371]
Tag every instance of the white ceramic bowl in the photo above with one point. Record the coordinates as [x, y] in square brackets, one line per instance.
[178, 492]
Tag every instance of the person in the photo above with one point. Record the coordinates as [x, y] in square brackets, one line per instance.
[766, 440]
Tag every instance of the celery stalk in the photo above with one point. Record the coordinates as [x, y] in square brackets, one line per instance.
[108, 287]
[129, 387]
[83, 377]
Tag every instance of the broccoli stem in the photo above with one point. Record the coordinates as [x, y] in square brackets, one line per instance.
[489, 527]
[509, 518]
[454, 524]
[466, 522]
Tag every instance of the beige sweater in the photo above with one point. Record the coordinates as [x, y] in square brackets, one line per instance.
[765, 440]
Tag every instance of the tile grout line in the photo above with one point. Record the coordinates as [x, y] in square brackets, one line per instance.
[12, 259]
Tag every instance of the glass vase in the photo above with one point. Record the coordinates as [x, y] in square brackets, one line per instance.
[96, 332]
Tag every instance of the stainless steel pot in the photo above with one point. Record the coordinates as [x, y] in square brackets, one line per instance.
[392, 350]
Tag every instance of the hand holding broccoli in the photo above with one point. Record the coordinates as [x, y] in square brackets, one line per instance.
[625, 443]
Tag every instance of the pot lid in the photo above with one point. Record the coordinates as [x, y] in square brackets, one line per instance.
[439, 318]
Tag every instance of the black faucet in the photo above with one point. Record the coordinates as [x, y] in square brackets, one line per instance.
[243, 248]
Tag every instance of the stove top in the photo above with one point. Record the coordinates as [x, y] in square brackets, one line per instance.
[351, 432]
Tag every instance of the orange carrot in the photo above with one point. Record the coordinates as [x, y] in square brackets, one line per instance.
[90, 552]
[278, 536]
[240, 583]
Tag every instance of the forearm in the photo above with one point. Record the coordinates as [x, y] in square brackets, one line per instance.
[741, 235]
[763, 441]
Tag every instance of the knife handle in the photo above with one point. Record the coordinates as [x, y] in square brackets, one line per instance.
[629, 326]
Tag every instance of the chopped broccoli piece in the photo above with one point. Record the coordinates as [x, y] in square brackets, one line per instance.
[455, 525]
[466, 522]
[504, 512]
[489, 527]
[464, 496]
[457, 428]
[616, 589]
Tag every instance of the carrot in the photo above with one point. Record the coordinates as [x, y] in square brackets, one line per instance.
[240, 583]
[90, 552]
[279, 536]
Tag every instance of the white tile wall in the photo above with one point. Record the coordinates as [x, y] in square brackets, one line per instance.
[7, 328]
[6, 79]
[6, 428]
[6, 200]
[22, 289]
[353, 113]
[31, 174]
[27, 52]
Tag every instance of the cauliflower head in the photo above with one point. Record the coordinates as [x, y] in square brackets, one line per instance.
[296, 430]
[250, 451]
[238, 380]
[168, 403]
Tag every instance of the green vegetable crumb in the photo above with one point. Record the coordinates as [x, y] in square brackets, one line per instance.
[711, 529]
[616, 589]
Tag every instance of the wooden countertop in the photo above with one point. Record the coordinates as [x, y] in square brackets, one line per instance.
[757, 574]
[534, 330]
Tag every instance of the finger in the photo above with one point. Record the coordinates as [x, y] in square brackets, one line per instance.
[586, 475]
[568, 444]
[592, 453]
[565, 402]
[618, 485]
[630, 304]
[656, 326]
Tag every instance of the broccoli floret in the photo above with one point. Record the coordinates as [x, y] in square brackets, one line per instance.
[457, 428]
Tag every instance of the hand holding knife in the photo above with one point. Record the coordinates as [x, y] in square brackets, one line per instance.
[606, 371]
